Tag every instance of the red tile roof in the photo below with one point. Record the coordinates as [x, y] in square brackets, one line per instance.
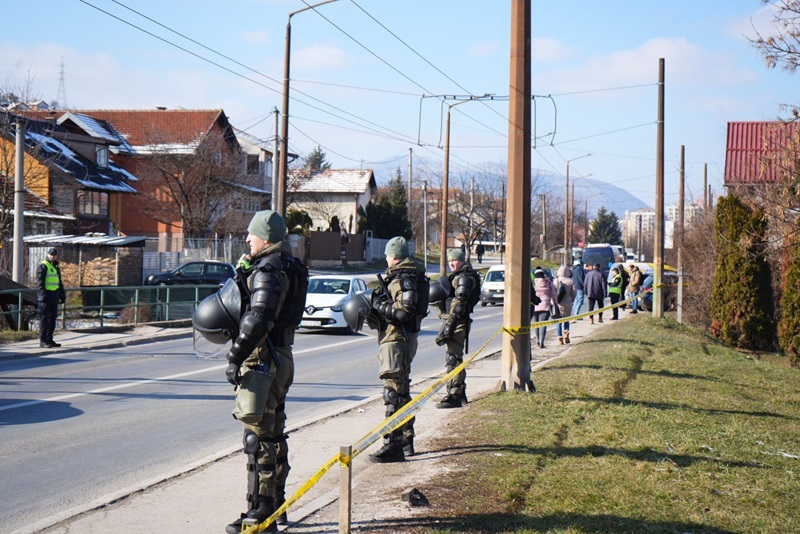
[755, 149]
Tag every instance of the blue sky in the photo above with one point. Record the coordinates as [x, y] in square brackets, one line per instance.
[358, 76]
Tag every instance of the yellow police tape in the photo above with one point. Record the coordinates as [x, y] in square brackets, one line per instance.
[515, 330]
[404, 414]
[397, 420]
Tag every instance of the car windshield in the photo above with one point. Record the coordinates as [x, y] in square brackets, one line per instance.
[496, 276]
[601, 255]
[328, 285]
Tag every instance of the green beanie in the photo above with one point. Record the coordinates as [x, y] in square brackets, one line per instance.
[397, 247]
[268, 225]
[456, 254]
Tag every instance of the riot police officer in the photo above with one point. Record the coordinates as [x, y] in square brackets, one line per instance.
[455, 308]
[273, 286]
[398, 307]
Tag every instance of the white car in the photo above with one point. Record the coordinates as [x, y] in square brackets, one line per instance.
[327, 295]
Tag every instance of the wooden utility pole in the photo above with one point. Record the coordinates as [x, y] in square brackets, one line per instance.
[515, 361]
[18, 252]
[658, 245]
[680, 240]
[544, 227]
[705, 187]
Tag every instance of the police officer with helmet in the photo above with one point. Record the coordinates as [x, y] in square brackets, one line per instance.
[456, 298]
[50, 293]
[261, 323]
[397, 310]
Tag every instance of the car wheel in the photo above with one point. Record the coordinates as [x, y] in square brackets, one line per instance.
[483, 304]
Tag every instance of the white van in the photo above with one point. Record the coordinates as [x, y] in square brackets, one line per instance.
[494, 284]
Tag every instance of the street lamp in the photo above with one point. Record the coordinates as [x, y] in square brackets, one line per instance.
[279, 204]
[567, 212]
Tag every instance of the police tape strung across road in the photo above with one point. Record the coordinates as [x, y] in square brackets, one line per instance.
[404, 414]
[398, 419]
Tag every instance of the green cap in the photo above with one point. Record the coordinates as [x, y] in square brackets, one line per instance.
[397, 247]
[268, 225]
[456, 254]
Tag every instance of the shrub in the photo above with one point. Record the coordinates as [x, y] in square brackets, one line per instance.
[789, 326]
[146, 313]
[742, 307]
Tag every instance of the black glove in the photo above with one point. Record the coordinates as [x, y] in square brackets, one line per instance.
[232, 374]
[373, 321]
[445, 335]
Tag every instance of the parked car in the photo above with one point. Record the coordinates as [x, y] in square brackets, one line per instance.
[493, 286]
[669, 293]
[194, 272]
[327, 295]
[601, 253]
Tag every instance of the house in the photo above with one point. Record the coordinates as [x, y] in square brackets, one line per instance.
[39, 217]
[760, 152]
[194, 174]
[331, 193]
[68, 169]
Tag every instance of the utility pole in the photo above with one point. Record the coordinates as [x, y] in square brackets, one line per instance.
[639, 240]
[680, 241]
[425, 222]
[567, 217]
[470, 238]
[516, 355]
[705, 187]
[275, 163]
[585, 221]
[544, 228]
[658, 246]
[19, 208]
[410, 185]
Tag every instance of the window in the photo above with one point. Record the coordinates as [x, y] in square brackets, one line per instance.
[252, 164]
[93, 203]
[101, 156]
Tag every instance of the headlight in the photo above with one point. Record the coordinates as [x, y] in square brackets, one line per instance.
[149, 279]
[339, 306]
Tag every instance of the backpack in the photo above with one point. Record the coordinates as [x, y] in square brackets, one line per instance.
[562, 290]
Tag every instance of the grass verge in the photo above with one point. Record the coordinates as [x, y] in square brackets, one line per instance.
[647, 427]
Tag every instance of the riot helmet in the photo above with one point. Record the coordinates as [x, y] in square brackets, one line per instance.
[216, 320]
[356, 310]
[440, 290]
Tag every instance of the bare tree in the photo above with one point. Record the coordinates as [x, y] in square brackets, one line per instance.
[197, 189]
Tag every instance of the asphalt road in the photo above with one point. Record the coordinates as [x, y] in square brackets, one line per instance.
[79, 426]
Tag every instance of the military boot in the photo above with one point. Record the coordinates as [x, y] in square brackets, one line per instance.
[408, 447]
[255, 516]
[282, 519]
[392, 450]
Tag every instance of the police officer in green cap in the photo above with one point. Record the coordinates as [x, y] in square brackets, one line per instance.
[456, 310]
[398, 307]
[261, 366]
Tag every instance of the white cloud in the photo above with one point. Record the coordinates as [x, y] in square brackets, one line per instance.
[548, 49]
[685, 63]
[256, 37]
[482, 49]
[319, 57]
[747, 26]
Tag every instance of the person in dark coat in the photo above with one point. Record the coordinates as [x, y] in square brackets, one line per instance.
[50, 293]
[596, 287]
[578, 281]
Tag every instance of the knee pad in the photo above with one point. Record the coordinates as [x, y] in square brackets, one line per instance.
[452, 361]
[391, 399]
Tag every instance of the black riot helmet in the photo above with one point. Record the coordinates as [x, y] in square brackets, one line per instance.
[440, 290]
[356, 309]
[217, 317]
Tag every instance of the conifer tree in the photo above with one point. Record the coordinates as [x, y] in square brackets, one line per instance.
[605, 229]
[742, 306]
[789, 326]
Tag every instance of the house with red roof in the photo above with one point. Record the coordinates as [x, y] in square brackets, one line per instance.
[760, 152]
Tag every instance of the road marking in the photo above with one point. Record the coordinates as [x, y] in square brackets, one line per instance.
[112, 388]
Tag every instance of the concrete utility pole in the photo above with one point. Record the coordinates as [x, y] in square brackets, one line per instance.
[410, 185]
[425, 222]
[280, 205]
[544, 227]
[680, 241]
[19, 206]
[515, 361]
[658, 245]
[275, 163]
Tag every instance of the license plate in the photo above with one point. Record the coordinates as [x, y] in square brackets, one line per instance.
[310, 323]
[498, 295]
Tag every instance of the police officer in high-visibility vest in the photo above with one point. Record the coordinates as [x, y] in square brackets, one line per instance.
[50, 293]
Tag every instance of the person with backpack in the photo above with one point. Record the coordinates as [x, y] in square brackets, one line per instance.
[565, 295]
[268, 293]
[455, 309]
[399, 304]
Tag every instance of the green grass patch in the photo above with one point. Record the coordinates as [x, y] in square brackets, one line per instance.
[647, 427]
[12, 336]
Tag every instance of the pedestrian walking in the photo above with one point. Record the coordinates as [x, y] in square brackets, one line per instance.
[578, 280]
[479, 252]
[615, 291]
[634, 286]
[49, 295]
[565, 295]
[455, 308]
[546, 292]
[260, 309]
[595, 287]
